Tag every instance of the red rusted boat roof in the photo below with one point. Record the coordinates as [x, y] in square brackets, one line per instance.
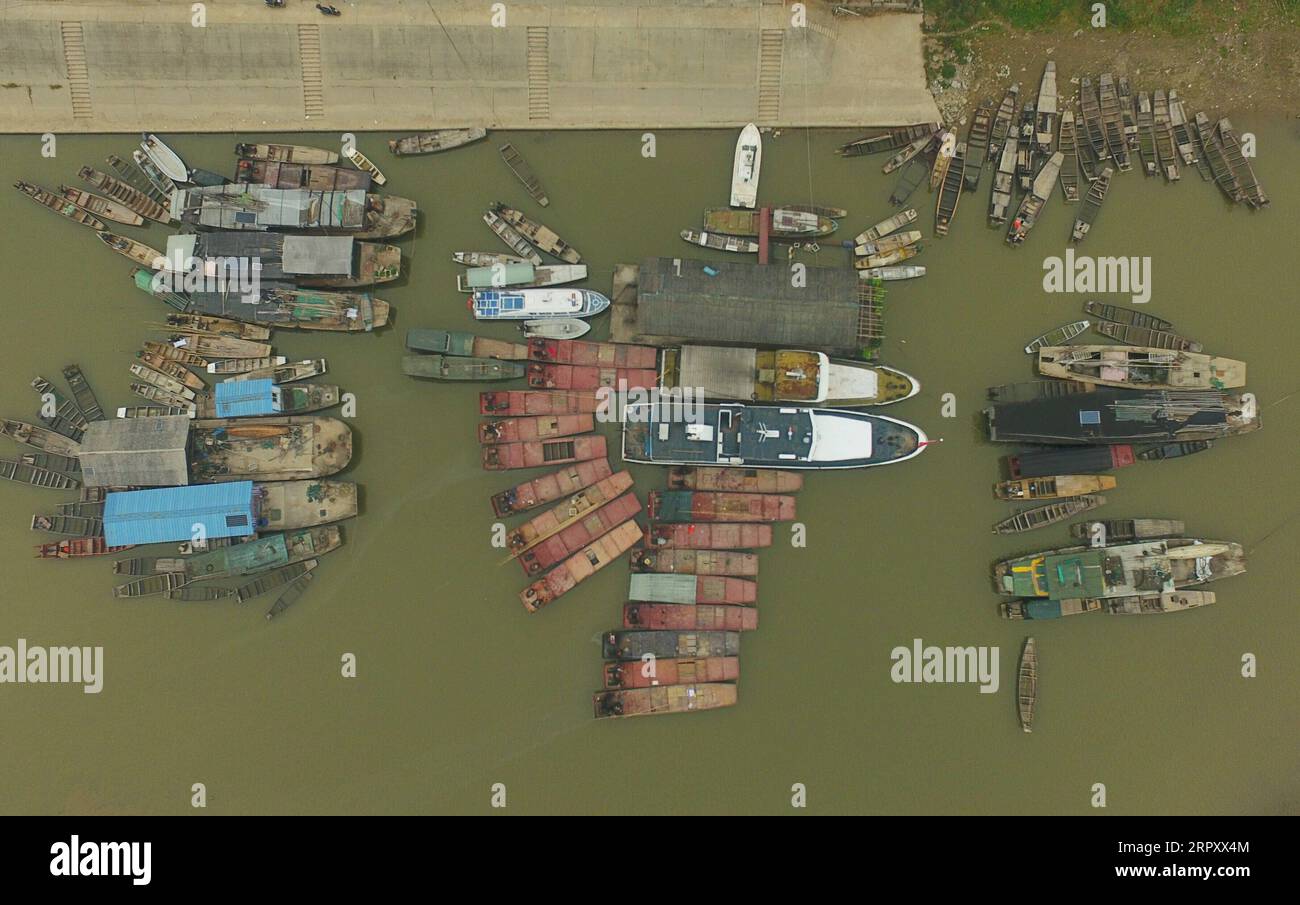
[574, 537]
[671, 671]
[697, 536]
[749, 480]
[686, 616]
[549, 487]
[677, 506]
[694, 562]
[581, 566]
[663, 699]
[537, 427]
[580, 352]
[508, 403]
[536, 453]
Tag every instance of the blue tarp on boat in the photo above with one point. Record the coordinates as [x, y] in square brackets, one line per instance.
[246, 398]
[178, 513]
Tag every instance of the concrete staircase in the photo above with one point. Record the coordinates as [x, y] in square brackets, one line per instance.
[74, 56]
[539, 73]
[313, 100]
[771, 48]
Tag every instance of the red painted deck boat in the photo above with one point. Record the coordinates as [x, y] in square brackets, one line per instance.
[581, 566]
[573, 508]
[697, 536]
[695, 562]
[663, 699]
[748, 480]
[599, 521]
[638, 645]
[575, 377]
[604, 355]
[677, 506]
[672, 671]
[76, 546]
[685, 616]
[508, 403]
[549, 487]
[538, 427]
[536, 453]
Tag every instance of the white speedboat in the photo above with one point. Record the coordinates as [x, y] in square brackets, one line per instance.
[744, 173]
[534, 304]
[164, 158]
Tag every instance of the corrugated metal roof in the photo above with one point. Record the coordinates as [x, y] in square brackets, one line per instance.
[136, 452]
[175, 513]
[245, 398]
[657, 588]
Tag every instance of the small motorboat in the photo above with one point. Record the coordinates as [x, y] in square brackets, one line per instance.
[362, 163]
[556, 328]
[164, 158]
[745, 169]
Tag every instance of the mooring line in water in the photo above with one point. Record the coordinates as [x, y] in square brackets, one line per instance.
[1288, 520]
[1283, 399]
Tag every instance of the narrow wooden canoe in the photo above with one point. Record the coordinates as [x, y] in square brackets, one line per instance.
[1050, 514]
[101, 206]
[1027, 685]
[1054, 487]
[435, 142]
[59, 205]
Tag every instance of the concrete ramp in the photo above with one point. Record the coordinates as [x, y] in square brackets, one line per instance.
[131, 65]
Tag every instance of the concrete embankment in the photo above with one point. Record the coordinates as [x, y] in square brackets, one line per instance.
[130, 65]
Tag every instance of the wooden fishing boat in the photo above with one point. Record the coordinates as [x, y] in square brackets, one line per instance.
[218, 326]
[156, 411]
[1054, 487]
[602, 551]
[550, 487]
[1166, 146]
[1145, 336]
[675, 506]
[556, 534]
[745, 167]
[1124, 91]
[229, 366]
[293, 591]
[265, 584]
[872, 262]
[1027, 685]
[886, 140]
[687, 590]
[1124, 530]
[125, 194]
[737, 480]
[101, 207]
[1004, 183]
[151, 586]
[72, 548]
[821, 210]
[1118, 314]
[59, 205]
[535, 454]
[720, 242]
[436, 141]
[364, 164]
[157, 178]
[904, 272]
[1189, 144]
[164, 158]
[538, 427]
[82, 393]
[1174, 450]
[886, 226]
[520, 276]
[220, 346]
[1031, 206]
[1112, 121]
[1212, 147]
[695, 562]
[1146, 126]
[1141, 367]
[22, 471]
[69, 525]
[889, 243]
[129, 248]
[1143, 604]
[449, 367]
[709, 536]
[1069, 176]
[1091, 205]
[663, 699]
[1045, 111]
[943, 159]
[67, 417]
[603, 355]
[509, 403]
[486, 258]
[950, 194]
[40, 438]
[524, 173]
[285, 372]
[1049, 514]
[556, 328]
[163, 382]
[1058, 336]
[912, 176]
[286, 153]
[687, 617]
[1093, 131]
[977, 142]
[785, 224]
[670, 671]
[903, 156]
[1001, 127]
[509, 235]
[316, 177]
[1027, 156]
[1252, 191]
[540, 236]
[164, 397]
[172, 352]
[635, 646]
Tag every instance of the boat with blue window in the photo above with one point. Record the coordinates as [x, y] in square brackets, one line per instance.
[532, 304]
[765, 436]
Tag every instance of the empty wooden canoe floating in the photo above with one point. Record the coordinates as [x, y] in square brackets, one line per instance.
[1027, 685]
[1050, 514]
[286, 153]
[435, 142]
[1057, 337]
[362, 163]
[524, 173]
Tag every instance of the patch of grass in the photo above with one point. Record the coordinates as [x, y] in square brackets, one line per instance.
[1174, 17]
[948, 72]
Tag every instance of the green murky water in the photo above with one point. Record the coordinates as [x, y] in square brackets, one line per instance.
[459, 689]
